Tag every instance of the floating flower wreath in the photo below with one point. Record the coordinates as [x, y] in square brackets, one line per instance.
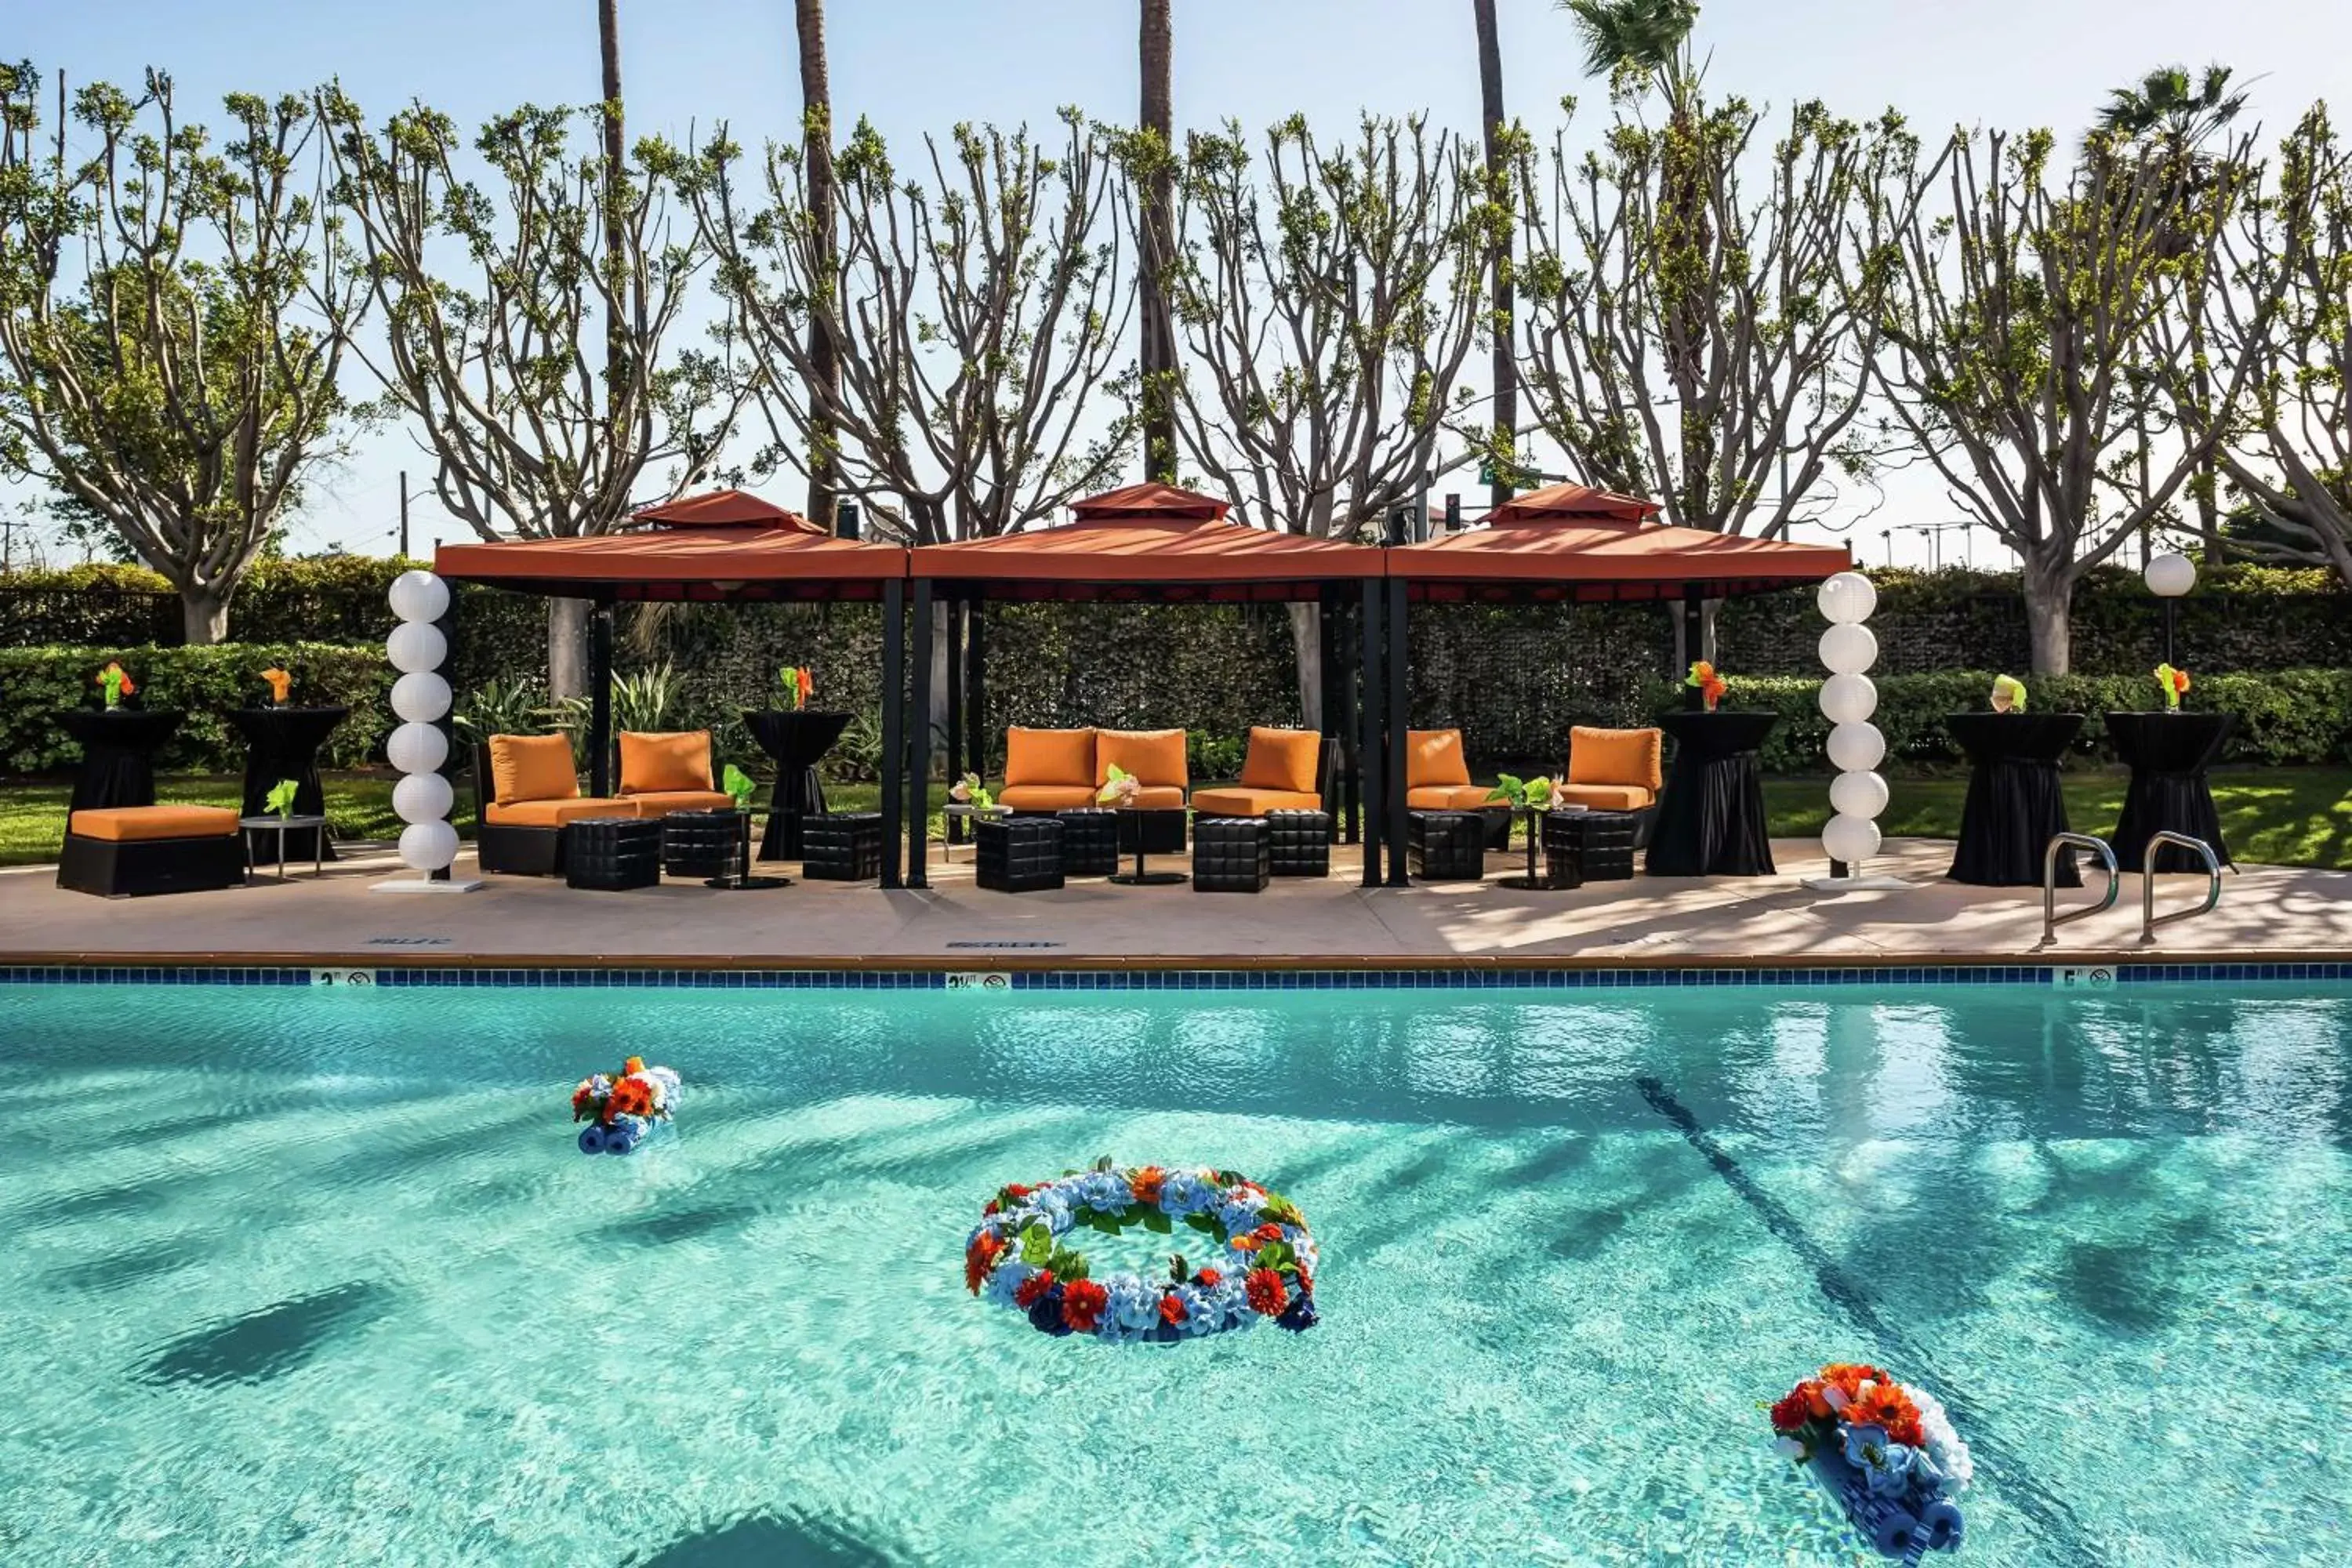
[1018, 1259]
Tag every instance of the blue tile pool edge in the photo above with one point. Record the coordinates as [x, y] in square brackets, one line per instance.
[1425, 979]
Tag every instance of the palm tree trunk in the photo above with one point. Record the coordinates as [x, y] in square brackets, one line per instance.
[1506, 362]
[1158, 117]
[616, 326]
[825, 366]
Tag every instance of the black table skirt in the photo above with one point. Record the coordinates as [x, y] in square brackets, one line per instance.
[797, 742]
[2014, 804]
[2168, 755]
[118, 754]
[1711, 813]
[283, 744]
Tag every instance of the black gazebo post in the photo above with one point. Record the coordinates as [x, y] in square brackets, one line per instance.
[893, 734]
[918, 782]
[975, 684]
[1400, 715]
[1368, 745]
[955, 705]
[600, 698]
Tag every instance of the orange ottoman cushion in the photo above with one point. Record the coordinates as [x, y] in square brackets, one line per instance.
[1049, 757]
[140, 824]
[1153, 756]
[665, 762]
[1614, 757]
[1434, 757]
[532, 767]
[1284, 760]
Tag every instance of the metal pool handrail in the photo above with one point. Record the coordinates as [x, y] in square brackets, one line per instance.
[2149, 918]
[2050, 919]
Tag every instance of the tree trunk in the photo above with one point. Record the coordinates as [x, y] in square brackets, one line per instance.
[1307, 641]
[567, 647]
[825, 366]
[2049, 587]
[616, 325]
[1506, 367]
[1159, 115]
[203, 617]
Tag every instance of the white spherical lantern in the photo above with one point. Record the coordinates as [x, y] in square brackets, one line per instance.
[417, 748]
[422, 797]
[1852, 839]
[419, 596]
[1862, 794]
[416, 645]
[2170, 574]
[1846, 599]
[428, 845]
[1845, 699]
[1848, 650]
[420, 698]
[1857, 748]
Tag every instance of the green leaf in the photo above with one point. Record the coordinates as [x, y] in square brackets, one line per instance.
[1109, 1224]
[1277, 1255]
[1066, 1263]
[1156, 1223]
[1205, 1225]
[1037, 1246]
[281, 798]
[1178, 1270]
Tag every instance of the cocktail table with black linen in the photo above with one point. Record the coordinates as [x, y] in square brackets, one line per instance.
[1019, 854]
[118, 754]
[612, 854]
[1711, 816]
[2014, 807]
[2168, 753]
[1446, 845]
[1231, 855]
[283, 744]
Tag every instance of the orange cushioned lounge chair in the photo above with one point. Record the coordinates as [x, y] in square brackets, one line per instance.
[1284, 770]
[1437, 778]
[1046, 771]
[1156, 759]
[667, 772]
[123, 851]
[532, 791]
[1616, 770]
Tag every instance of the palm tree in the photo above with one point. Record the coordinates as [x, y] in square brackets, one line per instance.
[825, 366]
[1157, 47]
[1506, 360]
[608, 41]
[2168, 106]
[1641, 37]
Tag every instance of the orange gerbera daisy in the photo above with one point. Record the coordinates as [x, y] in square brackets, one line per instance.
[1885, 1404]
[1145, 1184]
[978, 1258]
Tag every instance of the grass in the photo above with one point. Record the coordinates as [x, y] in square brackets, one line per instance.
[2284, 816]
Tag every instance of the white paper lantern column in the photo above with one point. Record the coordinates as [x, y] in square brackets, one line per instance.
[418, 748]
[1858, 795]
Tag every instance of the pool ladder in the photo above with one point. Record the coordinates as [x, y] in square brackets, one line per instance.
[2149, 918]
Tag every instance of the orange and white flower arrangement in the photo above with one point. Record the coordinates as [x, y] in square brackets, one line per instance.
[1709, 685]
[1884, 1451]
[2175, 683]
[624, 1109]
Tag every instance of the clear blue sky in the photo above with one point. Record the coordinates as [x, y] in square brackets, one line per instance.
[921, 65]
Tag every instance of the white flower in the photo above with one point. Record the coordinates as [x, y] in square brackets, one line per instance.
[1835, 1396]
[1949, 1453]
[1788, 1447]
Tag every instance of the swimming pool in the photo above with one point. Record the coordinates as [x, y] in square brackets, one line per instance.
[303, 1275]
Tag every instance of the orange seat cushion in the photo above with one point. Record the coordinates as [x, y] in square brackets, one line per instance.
[661, 803]
[1607, 797]
[1158, 797]
[666, 764]
[1434, 757]
[555, 812]
[1049, 757]
[1449, 798]
[140, 824]
[1283, 760]
[1045, 796]
[1615, 757]
[1153, 756]
[531, 767]
[1246, 802]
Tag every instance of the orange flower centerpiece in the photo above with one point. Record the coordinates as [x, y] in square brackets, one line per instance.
[2175, 683]
[799, 685]
[1884, 1451]
[624, 1110]
[1709, 686]
[117, 684]
[279, 683]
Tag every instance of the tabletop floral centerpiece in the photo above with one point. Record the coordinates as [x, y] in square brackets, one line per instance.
[970, 791]
[1120, 789]
[279, 684]
[624, 1109]
[1884, 1451]
[2175, 684]
[798, 686]
[1709, 685]
[1523, 794]
[739, 786]
[2007, 694]
[116, 683]
[279, 801]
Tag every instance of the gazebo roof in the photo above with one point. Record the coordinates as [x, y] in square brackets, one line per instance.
[724, 509]
[726, 545]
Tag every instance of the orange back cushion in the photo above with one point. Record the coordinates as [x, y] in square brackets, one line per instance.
[1283, 759]
[532, 767]
[1153, 756]
[1614, 757]
[655, 764]
[1434, 757]
[1050, 757]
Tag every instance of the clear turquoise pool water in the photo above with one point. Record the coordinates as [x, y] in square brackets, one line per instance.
[296, 1277]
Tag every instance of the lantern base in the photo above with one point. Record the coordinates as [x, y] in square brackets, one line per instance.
[424, 884]
[1857, 884]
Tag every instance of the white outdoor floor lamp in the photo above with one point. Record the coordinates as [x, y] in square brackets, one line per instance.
[1858, 795]
[420, 700]
[2169, 577]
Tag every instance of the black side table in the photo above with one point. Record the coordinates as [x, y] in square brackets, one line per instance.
[2014, 805]
[1532, 880]
[283, 744]
[2168, 753]
[1711, 815]
[118, 754]
[797, 740]
[1144, 829]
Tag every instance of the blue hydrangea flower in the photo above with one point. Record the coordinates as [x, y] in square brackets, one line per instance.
[1104, 1190]
[1009, 1277]
[1132, 1310]
[1185, 1192]
[1240, 1213]
[1202, 1314]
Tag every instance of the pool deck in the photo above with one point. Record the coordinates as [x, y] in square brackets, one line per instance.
[2267, 914]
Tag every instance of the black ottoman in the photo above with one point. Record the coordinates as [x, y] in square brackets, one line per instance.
[702, 844]
[1300, 842]
[1582, 846]
[1019, 855]
[1446, 845]
[612, 854]
[1089, 841]
[1232, 855]
[842, 847]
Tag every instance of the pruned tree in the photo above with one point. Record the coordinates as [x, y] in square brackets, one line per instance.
[1154, 188]
[816, 149]
[493, 300]
[975, 310]
[1504, 143]
[2023, 328]
[157, 369]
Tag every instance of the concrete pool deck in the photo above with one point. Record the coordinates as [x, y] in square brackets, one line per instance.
[2267, 914]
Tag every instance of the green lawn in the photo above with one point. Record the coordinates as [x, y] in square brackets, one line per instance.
[2288, 817]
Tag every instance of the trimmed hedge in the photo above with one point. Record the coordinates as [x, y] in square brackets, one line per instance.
[203, 683]
[2284, 717]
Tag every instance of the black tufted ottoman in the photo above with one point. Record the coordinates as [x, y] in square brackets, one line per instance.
[1446, 845]
[1019, 854]
[612, 854]
[702, 843]
[1089, 841]
[1301, 842]
[1232, 855]
[1582, 846]
[842, 847]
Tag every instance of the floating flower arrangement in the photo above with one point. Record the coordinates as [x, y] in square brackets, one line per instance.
[1884, 1451]
[1019, 1257]
[625, 1109]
